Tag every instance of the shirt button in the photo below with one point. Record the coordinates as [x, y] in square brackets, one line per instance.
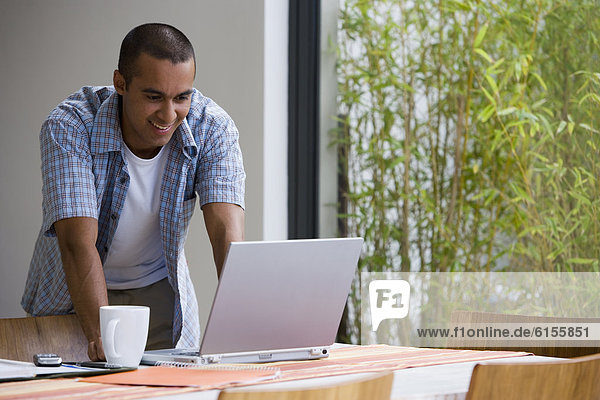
[123, 180]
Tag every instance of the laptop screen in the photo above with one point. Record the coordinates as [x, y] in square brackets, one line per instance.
[281, 295]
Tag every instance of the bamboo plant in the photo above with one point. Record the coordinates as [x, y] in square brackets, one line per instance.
[469, 135]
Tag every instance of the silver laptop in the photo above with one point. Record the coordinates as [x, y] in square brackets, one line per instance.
[276, 301]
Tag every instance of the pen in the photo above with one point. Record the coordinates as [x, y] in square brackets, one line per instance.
[93, 364]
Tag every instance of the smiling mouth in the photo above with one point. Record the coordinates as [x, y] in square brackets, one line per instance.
[160, 127]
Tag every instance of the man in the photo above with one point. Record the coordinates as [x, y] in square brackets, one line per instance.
[121, 169]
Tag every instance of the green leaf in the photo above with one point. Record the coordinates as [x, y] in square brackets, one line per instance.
[538, 104]
[492, 83]
[581, 260]
[483, 54]
[494, 68]
[592, 96]
[580, 197]
[541, 157]
[512, 124]
[486, 113]
[480, 35]
[589, 128]
[489, 96]
[507, 111]
[547, 127]
[518, 70]
[540, 80]
[521, 194]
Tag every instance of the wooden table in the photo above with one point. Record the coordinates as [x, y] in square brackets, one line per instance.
[425, 374]
[437, 382]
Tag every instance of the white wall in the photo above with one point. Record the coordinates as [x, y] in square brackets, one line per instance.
[50, 48]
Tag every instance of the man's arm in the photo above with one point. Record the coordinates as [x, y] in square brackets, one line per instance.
[224, 224]
[84, 275]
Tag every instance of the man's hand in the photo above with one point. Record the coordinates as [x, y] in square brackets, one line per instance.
[84, 275]
[95, 350]
[224, 224]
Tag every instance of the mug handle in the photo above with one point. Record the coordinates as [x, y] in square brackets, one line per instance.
[109, 346]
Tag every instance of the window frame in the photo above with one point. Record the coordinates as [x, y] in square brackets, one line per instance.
[303, 118]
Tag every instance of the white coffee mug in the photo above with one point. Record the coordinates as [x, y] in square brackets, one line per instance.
[124, 331]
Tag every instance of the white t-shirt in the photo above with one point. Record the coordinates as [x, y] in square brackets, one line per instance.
[136, 258]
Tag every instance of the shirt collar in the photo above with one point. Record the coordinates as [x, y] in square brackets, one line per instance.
[106, 131]
[107, 136]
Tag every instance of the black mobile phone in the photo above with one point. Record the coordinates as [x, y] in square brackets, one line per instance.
[47, 360]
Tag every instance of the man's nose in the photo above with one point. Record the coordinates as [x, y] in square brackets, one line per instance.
[167, 112]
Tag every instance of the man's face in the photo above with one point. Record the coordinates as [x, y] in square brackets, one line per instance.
[155, 102]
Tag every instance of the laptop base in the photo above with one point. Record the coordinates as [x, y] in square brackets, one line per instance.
[191, 356]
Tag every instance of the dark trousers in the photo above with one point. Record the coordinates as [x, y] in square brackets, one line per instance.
[161, 299]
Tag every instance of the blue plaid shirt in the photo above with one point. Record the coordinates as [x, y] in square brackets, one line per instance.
[84, 175]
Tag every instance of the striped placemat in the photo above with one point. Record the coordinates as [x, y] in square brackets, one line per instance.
[345, 360]
[375, 358]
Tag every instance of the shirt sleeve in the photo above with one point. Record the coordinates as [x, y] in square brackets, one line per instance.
[68, 188]
[220, 176]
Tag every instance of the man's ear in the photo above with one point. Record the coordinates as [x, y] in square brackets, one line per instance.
[119, 82]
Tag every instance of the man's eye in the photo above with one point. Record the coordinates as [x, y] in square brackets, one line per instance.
[153, 98]
[182, 98]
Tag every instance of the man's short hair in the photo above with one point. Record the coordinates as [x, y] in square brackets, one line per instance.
[160, 41]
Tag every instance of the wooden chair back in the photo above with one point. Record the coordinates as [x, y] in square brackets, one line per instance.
[21, 338]
[555, 349]
[573, 379]
[378, 387]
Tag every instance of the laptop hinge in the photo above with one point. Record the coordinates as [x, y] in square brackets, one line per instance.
[213, 359]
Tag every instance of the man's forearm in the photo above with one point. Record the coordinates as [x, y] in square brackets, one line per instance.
[87, 288]
[84, 276]
[220, 247]
[224, 224]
